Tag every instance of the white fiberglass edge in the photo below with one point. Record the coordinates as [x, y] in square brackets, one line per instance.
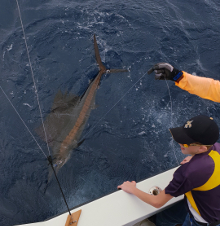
[118, 208]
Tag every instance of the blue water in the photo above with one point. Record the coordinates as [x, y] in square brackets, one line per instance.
[126, 136]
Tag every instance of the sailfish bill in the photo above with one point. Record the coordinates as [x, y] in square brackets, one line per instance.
[69, 114]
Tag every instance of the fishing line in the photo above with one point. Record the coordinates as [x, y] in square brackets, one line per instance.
[22, 121]
[171, 109]
[32, 73]
[49, 158]
[115, 104]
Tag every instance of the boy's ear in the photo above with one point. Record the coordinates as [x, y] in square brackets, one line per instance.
[203, 148]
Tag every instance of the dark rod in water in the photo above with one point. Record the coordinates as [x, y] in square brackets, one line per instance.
[49, 158]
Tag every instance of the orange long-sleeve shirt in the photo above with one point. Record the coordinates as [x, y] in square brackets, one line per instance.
[206, 88]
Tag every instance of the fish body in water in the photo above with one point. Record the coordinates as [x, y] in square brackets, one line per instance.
[69, 114]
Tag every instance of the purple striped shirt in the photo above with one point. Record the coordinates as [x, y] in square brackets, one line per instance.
[194, 174]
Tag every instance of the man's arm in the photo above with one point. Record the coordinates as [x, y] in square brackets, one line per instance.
[206, 88]
[156, 201]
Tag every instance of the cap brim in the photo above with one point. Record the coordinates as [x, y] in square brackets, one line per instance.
[180, 136]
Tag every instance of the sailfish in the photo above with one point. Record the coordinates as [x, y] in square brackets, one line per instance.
[69, 114]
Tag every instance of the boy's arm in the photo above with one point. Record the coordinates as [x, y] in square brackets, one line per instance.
[155, 201]
[206, 88]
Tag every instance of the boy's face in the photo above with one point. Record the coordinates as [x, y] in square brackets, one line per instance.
[191, 150]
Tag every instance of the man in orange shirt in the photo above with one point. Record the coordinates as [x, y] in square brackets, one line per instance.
[206, 88]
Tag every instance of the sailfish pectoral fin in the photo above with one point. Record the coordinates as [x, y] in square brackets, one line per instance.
[116, 70]
[97, 55]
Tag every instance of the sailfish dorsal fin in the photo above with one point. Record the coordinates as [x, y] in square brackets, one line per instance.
[62, 101]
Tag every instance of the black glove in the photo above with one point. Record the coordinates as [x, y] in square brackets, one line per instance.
[166, 71]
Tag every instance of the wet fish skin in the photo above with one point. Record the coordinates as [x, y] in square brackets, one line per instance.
[69, 114]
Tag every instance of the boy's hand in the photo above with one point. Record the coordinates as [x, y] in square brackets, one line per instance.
[128, 186]
[165, 71]
[187, 159]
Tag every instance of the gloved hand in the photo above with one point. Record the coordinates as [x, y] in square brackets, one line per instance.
[166, 71]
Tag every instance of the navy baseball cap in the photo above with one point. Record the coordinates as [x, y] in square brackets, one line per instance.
[200, 129]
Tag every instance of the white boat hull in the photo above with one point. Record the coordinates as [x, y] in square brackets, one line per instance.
[118, 208]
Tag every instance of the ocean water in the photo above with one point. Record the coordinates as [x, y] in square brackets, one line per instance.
[127, 134]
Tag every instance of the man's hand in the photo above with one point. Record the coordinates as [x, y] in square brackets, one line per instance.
[165, 71]
[128, 186]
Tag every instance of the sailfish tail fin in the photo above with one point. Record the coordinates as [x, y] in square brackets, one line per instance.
[98, 58]
[101, 66]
